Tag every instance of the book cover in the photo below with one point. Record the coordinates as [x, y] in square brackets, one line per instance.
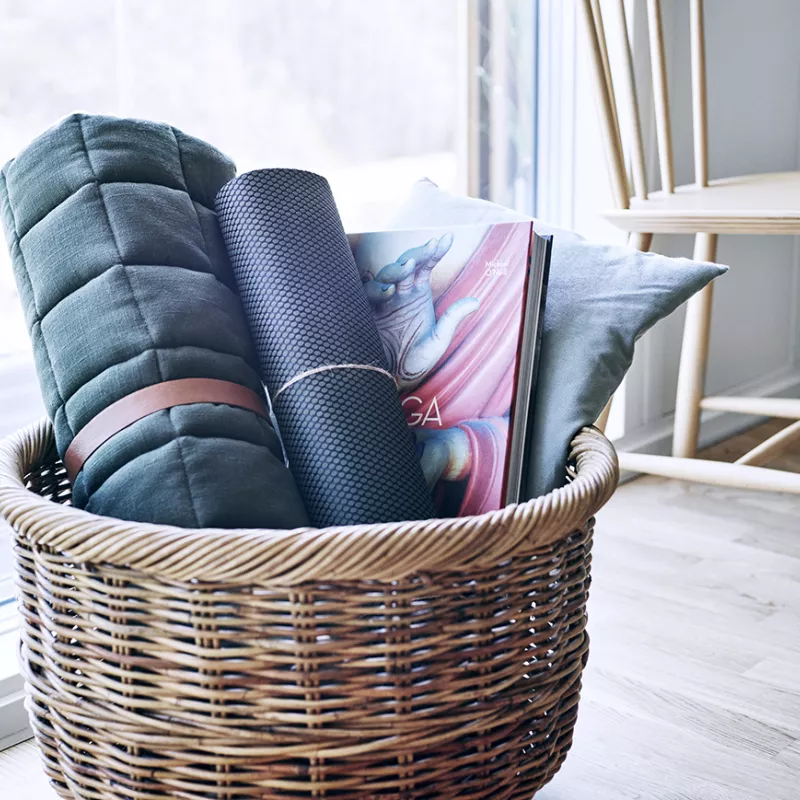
[452, 306]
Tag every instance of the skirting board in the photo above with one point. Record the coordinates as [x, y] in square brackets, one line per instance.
[716, 426]
[14, 719]
[14, 727]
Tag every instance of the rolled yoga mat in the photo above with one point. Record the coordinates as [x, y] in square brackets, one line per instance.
[337, 407]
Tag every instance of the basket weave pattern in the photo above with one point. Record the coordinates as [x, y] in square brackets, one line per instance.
[433, 659]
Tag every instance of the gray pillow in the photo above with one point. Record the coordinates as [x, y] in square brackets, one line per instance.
[600, 300]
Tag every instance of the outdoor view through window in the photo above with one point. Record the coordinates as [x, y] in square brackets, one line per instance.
[362, 92]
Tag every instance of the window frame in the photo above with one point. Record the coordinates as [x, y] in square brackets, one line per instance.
[14, 723]
[498, 117]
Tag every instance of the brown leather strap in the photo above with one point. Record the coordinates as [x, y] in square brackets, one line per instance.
[133, 407]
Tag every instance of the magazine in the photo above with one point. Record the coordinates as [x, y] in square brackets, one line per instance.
[459, 310]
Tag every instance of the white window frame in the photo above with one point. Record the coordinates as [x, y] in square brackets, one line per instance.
[497, 119]
[14, 725]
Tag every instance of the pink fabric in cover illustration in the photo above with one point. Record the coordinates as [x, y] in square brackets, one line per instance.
[474, 381]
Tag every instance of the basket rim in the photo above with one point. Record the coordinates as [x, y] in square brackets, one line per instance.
[380, 552]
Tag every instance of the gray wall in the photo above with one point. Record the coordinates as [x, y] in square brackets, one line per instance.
[753, 62]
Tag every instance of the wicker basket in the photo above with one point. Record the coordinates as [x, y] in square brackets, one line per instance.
[430, 659]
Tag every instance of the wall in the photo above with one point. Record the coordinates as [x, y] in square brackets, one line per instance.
[753, 67]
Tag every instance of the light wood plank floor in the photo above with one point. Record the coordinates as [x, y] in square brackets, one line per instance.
[693, 685]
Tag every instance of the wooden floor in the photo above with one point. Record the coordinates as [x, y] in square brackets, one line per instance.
[693, 686]
[731, 449]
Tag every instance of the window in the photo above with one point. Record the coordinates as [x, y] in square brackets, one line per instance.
[501, 92]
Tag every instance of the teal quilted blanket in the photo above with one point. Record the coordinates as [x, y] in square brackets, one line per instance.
[125, 283]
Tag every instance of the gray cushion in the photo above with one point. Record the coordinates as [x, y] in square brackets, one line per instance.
[125, 283]
[601, 299]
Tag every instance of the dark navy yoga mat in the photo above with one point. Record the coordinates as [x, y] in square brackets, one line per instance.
[348, 444]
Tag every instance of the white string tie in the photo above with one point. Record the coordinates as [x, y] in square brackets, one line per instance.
[329, 368]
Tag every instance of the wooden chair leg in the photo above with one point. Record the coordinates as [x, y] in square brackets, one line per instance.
[694, 357]
[602, 420]
[715, 473]
[640, 241]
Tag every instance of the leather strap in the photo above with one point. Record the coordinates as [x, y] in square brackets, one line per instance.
[137, 405]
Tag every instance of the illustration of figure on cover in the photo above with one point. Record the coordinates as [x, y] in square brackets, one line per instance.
[449, 309]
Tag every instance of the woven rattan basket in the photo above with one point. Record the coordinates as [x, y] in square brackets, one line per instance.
[432, 659]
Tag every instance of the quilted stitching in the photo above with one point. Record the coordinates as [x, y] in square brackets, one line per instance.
[105, 325]
[95, 182]
[34, 320]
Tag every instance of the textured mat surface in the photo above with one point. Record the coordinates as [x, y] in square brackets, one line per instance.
[125, 283]
[346, 437]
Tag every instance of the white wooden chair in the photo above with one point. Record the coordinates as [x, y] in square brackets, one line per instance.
[767, 203]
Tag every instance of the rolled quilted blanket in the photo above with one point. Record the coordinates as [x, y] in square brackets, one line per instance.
[126, 285]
